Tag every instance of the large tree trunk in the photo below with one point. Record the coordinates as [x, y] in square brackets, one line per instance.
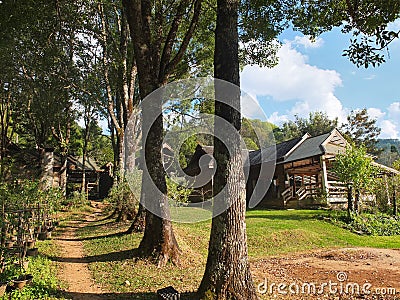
[227, 274]
[357, 202]
[158, 240]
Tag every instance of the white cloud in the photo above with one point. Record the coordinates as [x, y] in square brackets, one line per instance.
[389, 121]
[277, 119]
[391, 126]
[293, 79]
[389, 130]
[375, 113]
[394, 110]
[307, 42]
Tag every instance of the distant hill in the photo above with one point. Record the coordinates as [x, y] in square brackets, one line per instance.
[386, 144]
[391, 151]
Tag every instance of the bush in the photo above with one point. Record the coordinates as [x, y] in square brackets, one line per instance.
[27, 193]
[45, 284]
[369, 224]
[125, 195]
[177, 192]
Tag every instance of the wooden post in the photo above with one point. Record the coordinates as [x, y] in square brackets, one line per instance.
[387, 190]
[349, 200]
[325, 185]
[394, 197]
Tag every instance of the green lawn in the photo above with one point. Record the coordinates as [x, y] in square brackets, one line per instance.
[278, 232]
[270, 233]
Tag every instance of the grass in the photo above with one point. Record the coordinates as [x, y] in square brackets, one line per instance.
[45, 284]
[270, 233]
[280, 232]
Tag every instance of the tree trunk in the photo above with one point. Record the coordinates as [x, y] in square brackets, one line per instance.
[357, 201]
[227, 274]
[63, 174]
[158, 240]
[139, 223]
[47, 163]
[349, 201]
[83, 188]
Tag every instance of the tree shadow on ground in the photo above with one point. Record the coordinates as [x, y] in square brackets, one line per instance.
[116, 234]
[283, 216]
[63, 226]
[112, 256]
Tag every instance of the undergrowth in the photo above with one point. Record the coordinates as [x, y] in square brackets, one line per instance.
[45, 284]
[377, 224]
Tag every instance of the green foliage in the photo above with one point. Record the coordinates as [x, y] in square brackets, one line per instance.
[362, 130]
[377, 224]
[77, 199]
[257, 134]
[176, 192]
[260, 23]
[45, 284]
[366, 20]
[355, 167]
[396, 165]
[27, 193]
[317, 123]
[187, 149]
[125, 194]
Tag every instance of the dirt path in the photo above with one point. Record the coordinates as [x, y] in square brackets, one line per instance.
[73, 267]
[378, 267]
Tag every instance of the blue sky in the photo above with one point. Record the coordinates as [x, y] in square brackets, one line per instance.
[315, 76]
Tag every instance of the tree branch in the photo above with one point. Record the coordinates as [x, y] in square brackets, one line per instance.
[186, 40]
[172, 33]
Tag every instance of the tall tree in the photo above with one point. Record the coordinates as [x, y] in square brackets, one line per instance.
[317, 123]
[38, 36]
[227, 274]
[362, 130]
[119, 72]
[159, 47]
[354, 168]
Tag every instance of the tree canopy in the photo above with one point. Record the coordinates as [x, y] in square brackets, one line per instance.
[317, 123]
[362, 130]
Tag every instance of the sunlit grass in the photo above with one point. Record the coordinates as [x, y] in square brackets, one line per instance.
[270, 233]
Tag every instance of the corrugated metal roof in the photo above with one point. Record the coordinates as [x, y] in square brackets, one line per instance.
[276, 152]
[309, 148]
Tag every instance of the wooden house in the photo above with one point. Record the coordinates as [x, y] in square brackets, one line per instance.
[302, 175]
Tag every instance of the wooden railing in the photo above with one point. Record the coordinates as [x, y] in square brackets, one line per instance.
[302, 193]
[337, 190]
[287, 194]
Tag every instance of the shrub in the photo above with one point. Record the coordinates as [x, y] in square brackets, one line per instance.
[366, 223]
[125, 195]
[176, 192]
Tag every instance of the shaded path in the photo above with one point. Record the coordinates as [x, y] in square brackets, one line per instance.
[74, 266]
